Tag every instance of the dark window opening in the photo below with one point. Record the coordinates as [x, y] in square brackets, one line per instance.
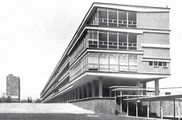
[132, 41]
[131, 19]
[150, 63]
[123, 41]
[102, 17]
[160, 63]
[112, 40]
[113, 18]
[102, 40]
[122, 19]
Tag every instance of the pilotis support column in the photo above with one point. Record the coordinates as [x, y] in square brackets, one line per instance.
[156, 87]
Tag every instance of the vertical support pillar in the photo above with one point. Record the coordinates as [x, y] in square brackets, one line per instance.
[161, 109]
[93, 88]
[87, 89]
[127, 41]
[144, 87]
[138, 85]
[78, 93]
[121, 102]
[174, 109]
[117, 40]
[100, 88]
[110, 93]
[75, 94]
[148, 109]
[107, 17]
[68, 96]
[82, 90]
[179, 114]
[107, 40]
[127, 19]
[136, 109]
[117, 18]
[157, 87]
[127, 107]
[98, 38]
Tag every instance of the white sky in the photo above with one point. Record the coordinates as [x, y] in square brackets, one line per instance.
[35, 33]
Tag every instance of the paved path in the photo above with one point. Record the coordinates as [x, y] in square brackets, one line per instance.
[42, 108]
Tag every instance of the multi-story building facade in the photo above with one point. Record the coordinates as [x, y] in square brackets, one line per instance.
[13, 87]
[116, 50]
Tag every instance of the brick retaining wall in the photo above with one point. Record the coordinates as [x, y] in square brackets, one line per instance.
[98, 105]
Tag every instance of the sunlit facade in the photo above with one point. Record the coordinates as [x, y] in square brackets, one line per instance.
[115, 46]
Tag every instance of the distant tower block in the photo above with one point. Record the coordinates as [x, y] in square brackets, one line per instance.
[13, 87]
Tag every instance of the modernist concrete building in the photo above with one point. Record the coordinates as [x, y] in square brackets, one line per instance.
[13, 87]
[115, 51]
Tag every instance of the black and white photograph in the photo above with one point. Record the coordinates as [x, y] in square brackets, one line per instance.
[90, 60]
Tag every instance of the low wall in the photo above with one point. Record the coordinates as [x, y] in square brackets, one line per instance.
[98, 105]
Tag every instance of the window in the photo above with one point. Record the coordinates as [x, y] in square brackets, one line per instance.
[113, 62]
[104, 60]
[132, 63]
[93, 61]
[123, 41]
[150, 63]
[131, 19]
[123, 62]
[132, 41]
[113, 18]
[112, 40]
[102, 17]
[160, 63]
[122, 18]
[102, 39]
[164, 64]
[157, 64]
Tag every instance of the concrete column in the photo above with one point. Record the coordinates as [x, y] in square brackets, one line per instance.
[100, 88]
[87, 89]
[174, 108]
[74, 91]
[138, 84]
[78, 93]
[148, 109]
[157, 87]
[121, 102]
[127, 107]
[93, 89]
[161, 109]
[144, 87]
[82, 89]
[136, 109]
[179, 110]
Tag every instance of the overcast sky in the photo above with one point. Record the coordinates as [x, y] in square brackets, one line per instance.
[35, 33]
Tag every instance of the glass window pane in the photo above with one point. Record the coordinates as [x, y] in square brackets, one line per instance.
[103, 61]
[150, 63]
[160, 63]
[122, 19]
[132, 62]
[131, 19]
[112, 40]
[113, 62]
[122, 41]
[93, 60]
[165, 64]
[132, 41]
[123, 62]
[102, 40]
[102, 17]
[113, 18]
